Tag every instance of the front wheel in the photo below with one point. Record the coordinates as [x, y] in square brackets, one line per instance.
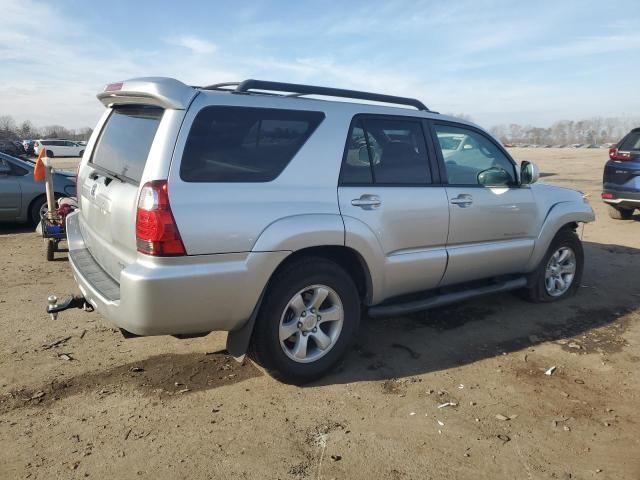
[81, 153]
[307, 320]
[559, 274]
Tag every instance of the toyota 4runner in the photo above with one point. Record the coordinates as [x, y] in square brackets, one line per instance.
[248, 208]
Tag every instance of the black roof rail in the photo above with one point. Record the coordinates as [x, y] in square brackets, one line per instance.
[221, 86]
[297, 90]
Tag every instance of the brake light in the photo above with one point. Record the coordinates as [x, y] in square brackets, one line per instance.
[607, 195]
[615, 154]
[156, 230]
[113, 87]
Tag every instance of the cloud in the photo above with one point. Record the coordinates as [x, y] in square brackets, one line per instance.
[195, 44]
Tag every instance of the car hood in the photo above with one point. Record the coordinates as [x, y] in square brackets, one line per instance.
[556, 194]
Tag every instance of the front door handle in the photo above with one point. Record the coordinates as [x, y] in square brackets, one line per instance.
[367, 202]
[463, 200]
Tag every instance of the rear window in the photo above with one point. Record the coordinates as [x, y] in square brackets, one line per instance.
[631, 142]
[238, 144]
[126, 139]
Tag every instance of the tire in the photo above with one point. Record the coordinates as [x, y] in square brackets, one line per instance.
[38, 204]
[542, 279]
[34, 209]
[281, 312]
[50, 248]
[81, 153]
[618, 213]
[49, 154]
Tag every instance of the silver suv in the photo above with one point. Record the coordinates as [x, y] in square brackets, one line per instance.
[281, 219]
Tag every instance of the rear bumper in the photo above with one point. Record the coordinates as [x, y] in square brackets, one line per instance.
[622, 198]
[173, 296]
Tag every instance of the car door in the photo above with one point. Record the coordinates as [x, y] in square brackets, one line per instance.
[10, 192]
[71, 149]
[492, 224]
[387, 184]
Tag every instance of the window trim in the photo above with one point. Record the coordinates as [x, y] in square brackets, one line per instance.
[443, 168]
[321, 115]
[432, 164]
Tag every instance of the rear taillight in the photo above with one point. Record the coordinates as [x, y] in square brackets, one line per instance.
[607, 195]
[615, 154]
[156, 230]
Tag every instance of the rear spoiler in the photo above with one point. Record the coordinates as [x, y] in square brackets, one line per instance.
[161, 91]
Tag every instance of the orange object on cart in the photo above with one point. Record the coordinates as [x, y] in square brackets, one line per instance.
[38, 171]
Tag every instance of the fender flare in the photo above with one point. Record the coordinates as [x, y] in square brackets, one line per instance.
[559, 215]
[288, 234]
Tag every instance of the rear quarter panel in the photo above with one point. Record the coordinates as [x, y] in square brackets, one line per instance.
[233, 217]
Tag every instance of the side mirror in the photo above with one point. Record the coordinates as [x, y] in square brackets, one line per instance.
[494, 177]
[529, 173]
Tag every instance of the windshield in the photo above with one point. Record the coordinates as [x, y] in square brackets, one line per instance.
[126, 139]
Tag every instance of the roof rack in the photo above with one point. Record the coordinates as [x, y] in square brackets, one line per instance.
[297, 90]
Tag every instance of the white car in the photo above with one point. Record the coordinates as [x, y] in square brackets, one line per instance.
[59, 148]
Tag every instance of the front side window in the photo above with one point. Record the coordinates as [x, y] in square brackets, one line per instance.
[470, 158]
[240, 144]
[386, 152]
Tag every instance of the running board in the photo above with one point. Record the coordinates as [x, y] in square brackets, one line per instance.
[445, 299]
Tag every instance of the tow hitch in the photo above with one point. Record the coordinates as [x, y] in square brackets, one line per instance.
[72, 301]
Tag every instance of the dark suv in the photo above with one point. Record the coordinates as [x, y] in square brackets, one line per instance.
[621, 180]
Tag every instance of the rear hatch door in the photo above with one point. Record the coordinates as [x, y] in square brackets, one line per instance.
[109, 184]
[623, 172]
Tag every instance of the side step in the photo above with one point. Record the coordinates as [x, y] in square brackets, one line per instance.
[445, 299]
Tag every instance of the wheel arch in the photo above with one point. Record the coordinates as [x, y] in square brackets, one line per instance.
[561, 215]
[349, 259]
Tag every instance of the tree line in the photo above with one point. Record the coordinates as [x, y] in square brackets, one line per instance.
[597, 130]
[11, 130]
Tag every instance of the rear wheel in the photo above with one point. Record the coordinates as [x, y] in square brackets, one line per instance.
[49, 154]
[309, 316]
[618, 213]
[559, 274]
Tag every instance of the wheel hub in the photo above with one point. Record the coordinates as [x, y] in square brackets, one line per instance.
[560, 271]
[308, 322]
[311, 323]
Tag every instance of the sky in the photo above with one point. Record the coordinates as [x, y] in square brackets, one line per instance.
[500, 62]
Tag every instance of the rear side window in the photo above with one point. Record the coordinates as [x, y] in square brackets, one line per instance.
[386, 152]
[126, 139]
[630, 143]
[238, 144]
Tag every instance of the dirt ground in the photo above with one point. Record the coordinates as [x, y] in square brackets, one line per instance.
[77, 400]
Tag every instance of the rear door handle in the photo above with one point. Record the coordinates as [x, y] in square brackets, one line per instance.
[367, 202]
[463, 200]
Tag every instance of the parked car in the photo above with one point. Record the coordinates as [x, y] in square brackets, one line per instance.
[280, 218]
[21, 198]
[59, 148]
[10, 147]
[621, 179]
